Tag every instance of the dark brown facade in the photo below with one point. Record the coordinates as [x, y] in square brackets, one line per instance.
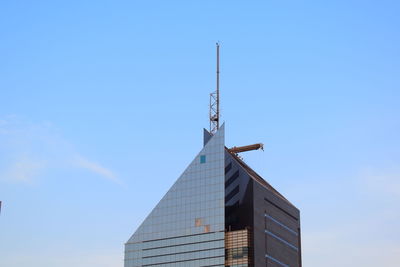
[272, 221]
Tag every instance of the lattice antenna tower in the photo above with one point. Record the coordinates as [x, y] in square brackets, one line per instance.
[214, 102]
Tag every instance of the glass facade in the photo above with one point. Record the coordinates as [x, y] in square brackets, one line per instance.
[237, 248]
[186, 228]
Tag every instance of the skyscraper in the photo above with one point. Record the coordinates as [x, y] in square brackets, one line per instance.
[218, 213]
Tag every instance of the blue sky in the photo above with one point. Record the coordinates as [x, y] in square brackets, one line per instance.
[103, 103]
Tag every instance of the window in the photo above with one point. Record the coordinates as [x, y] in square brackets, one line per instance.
[202, 158]
[281, 224]
[228, 167]
[281, 239]
[232, 178]
[236, 253]
[197, 222]
[276, 261]
[232, 194]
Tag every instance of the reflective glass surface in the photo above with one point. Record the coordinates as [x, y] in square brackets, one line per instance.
[186, 228]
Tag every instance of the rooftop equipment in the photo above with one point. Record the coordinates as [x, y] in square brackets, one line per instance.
[215, 114]
[239, 149]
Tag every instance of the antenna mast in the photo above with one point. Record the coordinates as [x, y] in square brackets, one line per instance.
[214, 102]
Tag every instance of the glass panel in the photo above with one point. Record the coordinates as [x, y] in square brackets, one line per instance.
[187, 227]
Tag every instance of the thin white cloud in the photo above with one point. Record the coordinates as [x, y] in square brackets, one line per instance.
[28, 150]
[96, 168]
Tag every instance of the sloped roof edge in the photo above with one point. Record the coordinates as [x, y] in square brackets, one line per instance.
[256, 177]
